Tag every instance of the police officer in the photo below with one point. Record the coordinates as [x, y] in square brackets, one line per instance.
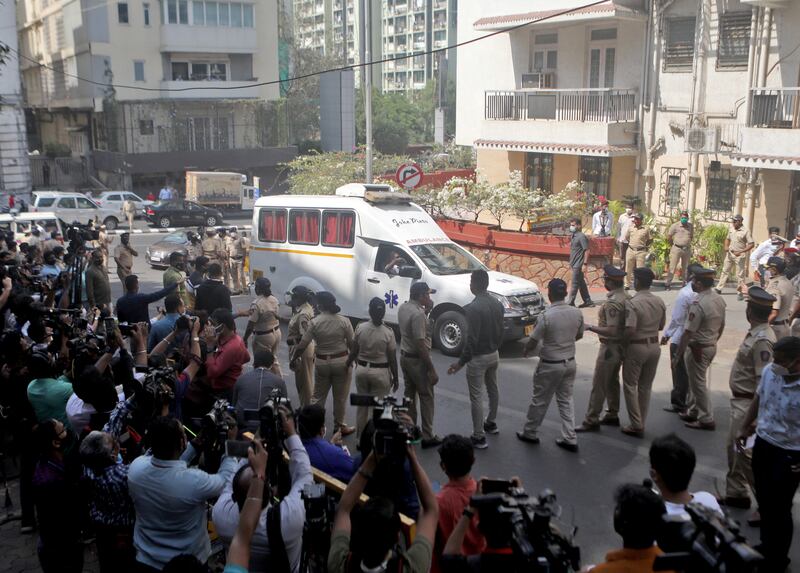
[303, 368]
[556, 331]
[698, 347]
[333, 335]
[638, 239]
[222, 237]
[194, 249]
[645, 315]
[375, 353]
[679, 236]
[737, 245]
[211, 247]
[236, 250]
[754, 353]
[610, 327]
[783, 290]
[419, 374]
[264, 323]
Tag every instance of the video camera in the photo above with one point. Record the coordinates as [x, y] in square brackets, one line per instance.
[270, 427]
[159, 384]
[537, 544]
[391, 435]
[704, 542]
[320, 509]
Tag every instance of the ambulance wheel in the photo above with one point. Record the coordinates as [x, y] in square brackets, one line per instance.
[450, 332]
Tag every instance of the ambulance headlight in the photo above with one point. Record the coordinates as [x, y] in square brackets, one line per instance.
[502, 300]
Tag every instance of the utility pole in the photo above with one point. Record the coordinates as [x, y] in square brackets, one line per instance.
[367, 70]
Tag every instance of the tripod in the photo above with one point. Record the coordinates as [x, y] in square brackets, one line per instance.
[316, 544]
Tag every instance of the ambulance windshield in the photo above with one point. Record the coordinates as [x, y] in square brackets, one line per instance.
[447, 259]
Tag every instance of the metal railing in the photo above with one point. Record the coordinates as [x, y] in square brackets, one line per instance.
[776, 108]
[594, 105]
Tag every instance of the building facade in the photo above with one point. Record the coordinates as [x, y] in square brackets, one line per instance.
[15, 176]
[182, 74]
[683, 104]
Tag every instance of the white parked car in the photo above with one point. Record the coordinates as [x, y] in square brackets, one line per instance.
[368, 241]
[115, 200]
[75, 207]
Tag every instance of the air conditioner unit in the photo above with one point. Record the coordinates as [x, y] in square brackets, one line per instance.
[539, 80]
[702, 140]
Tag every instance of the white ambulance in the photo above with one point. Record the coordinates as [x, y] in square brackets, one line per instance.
[369, 241]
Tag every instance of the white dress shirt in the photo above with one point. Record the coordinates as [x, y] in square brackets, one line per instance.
[601, 223]
[225, 514]
[623, 223]
[762, 253]
[680, 312]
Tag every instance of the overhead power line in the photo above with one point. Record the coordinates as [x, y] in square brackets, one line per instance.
[312, 74]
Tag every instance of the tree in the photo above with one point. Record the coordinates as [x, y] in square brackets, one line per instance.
[323, 173]
[396, 122]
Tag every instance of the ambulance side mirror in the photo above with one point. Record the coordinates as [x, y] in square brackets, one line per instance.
[410, 272]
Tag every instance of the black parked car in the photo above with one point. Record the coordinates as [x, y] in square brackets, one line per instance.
[183, 214]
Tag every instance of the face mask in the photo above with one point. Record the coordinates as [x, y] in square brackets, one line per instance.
[694, 288]
[684, 220]
[628, 211]
[572, 228]
[218, 329]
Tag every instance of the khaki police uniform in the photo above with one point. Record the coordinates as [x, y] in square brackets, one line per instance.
[333, 335]
[266, 328]
[556, 331]
[103, 242]
[236, 251]
[376, 343]
[703, 327]
[304, 370]
[605, 382]
[739, 240]
[636, 254]
[194, 250]
[681, 250]
[783, 290]
[754, 353]
[646, 313]
[214, 249]
[124, 258]
[414, 326]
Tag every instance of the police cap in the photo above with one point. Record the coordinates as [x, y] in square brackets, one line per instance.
[777, 263]
[612, 272]
[759, 297]
[638, 216]
[738, 218]
[702, 273]
[644, 273]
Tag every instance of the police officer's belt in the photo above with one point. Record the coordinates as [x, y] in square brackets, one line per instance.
[745, 395]
[610, 341]
[405, 354]
[697, 345]
[556, 361]
[332, 356]
[780, 322]
[637, 249]
[372, 364]
[263, 332]
[648, 340]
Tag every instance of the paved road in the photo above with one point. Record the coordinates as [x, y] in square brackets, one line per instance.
[583, 482]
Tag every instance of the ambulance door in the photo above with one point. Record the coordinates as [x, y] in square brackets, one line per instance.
[390, 277]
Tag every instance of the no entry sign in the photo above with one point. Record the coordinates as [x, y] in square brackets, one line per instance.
[409, 176]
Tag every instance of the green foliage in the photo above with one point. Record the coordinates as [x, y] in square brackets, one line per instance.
[448, 156]
[323, 173]
[710, 245]
[396, 122]
[617, 208]
[53, 150]
[309, 146]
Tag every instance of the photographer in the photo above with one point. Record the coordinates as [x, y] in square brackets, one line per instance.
[377, 526]
[170, 498]
[226, 352]
[267, 553]
[637, 519]
[174, 307]
[326, 456]
[47, 394]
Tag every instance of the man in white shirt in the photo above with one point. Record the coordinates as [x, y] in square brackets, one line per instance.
[292, 509]
[166, 192]
[625, 220]
[795, 243]
[765, 250]
[672, 462]
[602, 220]
[673, 334]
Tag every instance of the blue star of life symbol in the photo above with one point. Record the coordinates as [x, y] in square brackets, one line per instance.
[391, 299]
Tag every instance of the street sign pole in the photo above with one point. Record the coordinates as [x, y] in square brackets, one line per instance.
[367, 70]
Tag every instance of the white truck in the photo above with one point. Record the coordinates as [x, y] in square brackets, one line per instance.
[220, 189]
[368, 241]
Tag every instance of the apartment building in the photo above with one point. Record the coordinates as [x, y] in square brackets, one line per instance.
[681, 103]
[182, 74]
[15, 174]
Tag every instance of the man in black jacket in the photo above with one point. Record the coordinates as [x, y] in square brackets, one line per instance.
[213, 293]
[132, 306]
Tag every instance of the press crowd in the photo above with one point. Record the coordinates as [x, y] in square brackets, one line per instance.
[102, 400]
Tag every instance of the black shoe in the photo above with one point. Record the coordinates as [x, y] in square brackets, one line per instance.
[608, 421]
[524, 438]
[587, 304]
[565, 445]
[672, 408]
[490, 428]
[667, 287]
[718, 290]
[588, 428]
[431, 442]
[479, 443]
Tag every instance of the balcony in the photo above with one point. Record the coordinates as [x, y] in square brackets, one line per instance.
[772, 133]
[561, 116]
[211, 89]
[194, 39]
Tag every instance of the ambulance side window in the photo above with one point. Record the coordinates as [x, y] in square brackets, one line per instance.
[390, 258]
